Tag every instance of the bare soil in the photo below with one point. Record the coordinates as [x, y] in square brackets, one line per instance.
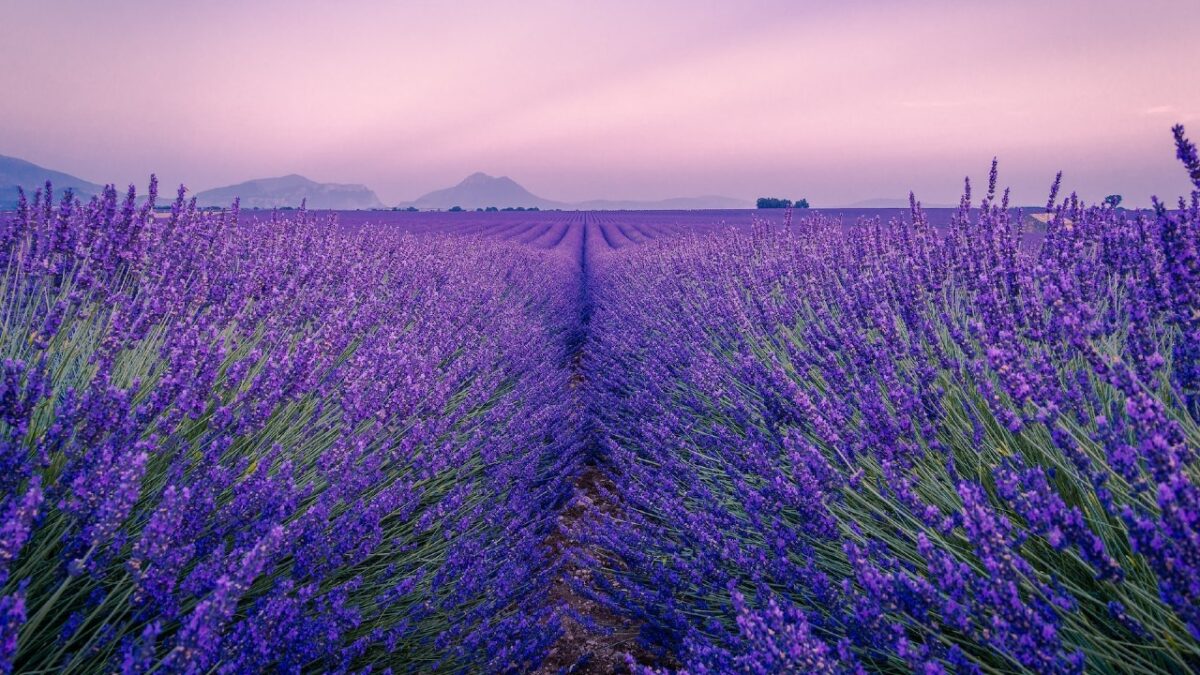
[581, 649]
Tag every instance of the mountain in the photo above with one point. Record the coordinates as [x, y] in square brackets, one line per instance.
[481, 190]
[268, 193]
[478, 190]
[17, 172]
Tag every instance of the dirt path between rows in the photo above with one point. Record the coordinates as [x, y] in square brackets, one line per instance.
[602, 646]
[594, 640]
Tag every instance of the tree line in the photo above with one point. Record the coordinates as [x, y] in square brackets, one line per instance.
[776, 203]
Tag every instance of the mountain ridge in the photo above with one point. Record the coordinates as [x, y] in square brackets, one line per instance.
[477, 190]
[15, 172]
[480, 190]
[290, 191]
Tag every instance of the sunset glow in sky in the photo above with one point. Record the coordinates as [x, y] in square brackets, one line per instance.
[838, 102]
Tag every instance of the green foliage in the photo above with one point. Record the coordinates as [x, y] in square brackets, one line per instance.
[774, 203]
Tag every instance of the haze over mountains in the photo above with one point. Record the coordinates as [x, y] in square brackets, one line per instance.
[894, 203]
[290, 191]
[478, 190]
[18, 172]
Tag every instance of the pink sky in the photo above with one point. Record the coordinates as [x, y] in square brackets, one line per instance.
[834, 101]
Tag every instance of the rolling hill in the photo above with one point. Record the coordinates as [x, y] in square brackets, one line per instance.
[16, 172]
[290, 191]
[479, 190]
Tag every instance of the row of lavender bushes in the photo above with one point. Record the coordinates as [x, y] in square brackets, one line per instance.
[884, 447]
[248, 445]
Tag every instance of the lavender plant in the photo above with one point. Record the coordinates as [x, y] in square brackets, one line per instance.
[244, 445]
[889, 447]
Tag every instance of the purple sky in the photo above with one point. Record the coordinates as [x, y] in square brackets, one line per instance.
[834, 101]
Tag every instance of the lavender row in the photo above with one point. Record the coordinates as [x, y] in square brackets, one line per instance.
[890, 447]
[251, 444]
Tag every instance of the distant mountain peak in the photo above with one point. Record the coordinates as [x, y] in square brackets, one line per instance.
[16, 172]
[480, 190]
[291, 190]
[480, 178]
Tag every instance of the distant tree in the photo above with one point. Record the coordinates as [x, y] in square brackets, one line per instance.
[412, 208]
[491, 209]
[800, 204]
[479, 209]
[456, 209]
[1113, 200]
[774, 203]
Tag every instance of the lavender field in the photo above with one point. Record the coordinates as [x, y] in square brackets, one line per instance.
[594, 441]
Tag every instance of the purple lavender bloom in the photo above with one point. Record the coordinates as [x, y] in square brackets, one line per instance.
[1185, 150]
[12, 615]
